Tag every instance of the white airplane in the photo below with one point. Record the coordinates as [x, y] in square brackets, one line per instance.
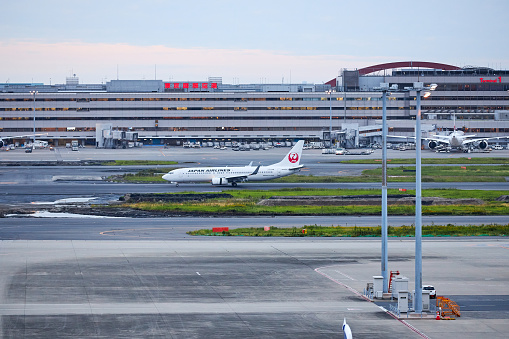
[457, 139]
[233, 175]
[460, 140]
[347, 331]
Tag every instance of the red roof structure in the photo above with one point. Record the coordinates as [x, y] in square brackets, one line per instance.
[413, 64]
[401, 64]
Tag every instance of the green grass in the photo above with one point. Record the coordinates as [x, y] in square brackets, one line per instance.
[138, 163]
[440, 173]
[250, 208]
[433, 161]
[451, 193]
[339, 231]
[244, 202]
[443, 193]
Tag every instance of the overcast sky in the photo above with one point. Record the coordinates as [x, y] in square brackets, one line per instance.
[241, 41]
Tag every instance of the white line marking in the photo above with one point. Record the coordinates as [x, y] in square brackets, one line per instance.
[345, 275]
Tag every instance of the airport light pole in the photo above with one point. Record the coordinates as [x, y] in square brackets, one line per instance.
[385, 255]
[33, 109]
[384, 87]
[330, 119]
[418, 87]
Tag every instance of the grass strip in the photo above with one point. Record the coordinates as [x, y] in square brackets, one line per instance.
[433, 161]
[138, 163]
[242, 208]
[496, 173]
[451, 193]
[245, 202]
[444, 171]
[343, 231]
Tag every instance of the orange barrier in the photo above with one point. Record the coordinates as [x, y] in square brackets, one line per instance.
[448, 307]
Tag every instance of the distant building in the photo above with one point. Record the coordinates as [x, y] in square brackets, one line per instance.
[158, 112]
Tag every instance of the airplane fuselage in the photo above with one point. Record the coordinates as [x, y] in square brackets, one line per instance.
[233, 175]
[206, 174]
[456, 140]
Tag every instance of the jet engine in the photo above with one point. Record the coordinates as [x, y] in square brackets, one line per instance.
[432, 144]
[219, 181]
[483, 144]
[1, 143]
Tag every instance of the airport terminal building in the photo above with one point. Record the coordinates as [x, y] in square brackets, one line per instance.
[158, 112]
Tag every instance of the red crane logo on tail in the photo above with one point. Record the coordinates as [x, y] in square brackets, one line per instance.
[293, 157]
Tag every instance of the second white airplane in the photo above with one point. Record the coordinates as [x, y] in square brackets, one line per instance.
[233, 175]
[457, 139]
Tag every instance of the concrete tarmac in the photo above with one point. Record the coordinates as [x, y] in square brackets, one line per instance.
[74, 286]
[255, 288]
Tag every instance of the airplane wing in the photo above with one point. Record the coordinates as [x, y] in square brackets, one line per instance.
[399, 137]
[469, 141]
[238, 178]
[438, 138]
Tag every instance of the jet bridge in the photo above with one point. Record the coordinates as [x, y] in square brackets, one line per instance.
[107, 137]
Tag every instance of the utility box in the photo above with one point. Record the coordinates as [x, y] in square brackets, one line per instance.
[400, 283]
[425, 300]
[403, 301]
[378, 286]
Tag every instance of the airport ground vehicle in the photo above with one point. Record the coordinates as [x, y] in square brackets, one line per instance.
[340, 151]
[431, 289]
[365, 151]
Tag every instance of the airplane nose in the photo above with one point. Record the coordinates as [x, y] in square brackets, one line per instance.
[166, 176]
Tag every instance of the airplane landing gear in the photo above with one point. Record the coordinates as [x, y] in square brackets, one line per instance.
[234, 184]
[176, 184]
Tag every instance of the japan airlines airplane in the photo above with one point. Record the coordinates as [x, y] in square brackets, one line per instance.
[233, 175]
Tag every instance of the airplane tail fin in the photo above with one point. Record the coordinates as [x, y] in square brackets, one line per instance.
[292, 159]
[347, 331]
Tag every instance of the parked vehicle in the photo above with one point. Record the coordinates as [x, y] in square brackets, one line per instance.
[431, 289]
[340, 151]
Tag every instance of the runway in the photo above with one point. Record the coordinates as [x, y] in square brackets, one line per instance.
[176, 228]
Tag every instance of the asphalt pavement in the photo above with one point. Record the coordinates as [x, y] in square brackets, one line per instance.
[219, 288]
